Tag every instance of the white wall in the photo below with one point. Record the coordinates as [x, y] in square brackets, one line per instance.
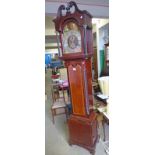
[100, 32]
[51, 51]
[49, 25]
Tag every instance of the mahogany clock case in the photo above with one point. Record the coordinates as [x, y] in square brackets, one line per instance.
[80, 82]
[83, 131]
[82, 123]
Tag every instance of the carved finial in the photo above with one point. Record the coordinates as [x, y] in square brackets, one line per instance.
[68, 8]
[70, 5]
[59, 13]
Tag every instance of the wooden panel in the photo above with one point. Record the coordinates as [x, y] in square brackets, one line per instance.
[83, 132]
[106, 61]
[95, 64]
[89, 81]
[77, 89]
[80, 131]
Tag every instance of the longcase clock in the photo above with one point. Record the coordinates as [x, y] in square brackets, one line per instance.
[75, 40]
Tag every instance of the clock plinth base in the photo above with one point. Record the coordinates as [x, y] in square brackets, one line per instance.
[83, 132]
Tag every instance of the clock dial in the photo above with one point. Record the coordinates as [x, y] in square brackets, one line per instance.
[71, 38]
[72, 41]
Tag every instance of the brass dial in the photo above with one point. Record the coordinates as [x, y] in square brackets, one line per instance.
[71, 39]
